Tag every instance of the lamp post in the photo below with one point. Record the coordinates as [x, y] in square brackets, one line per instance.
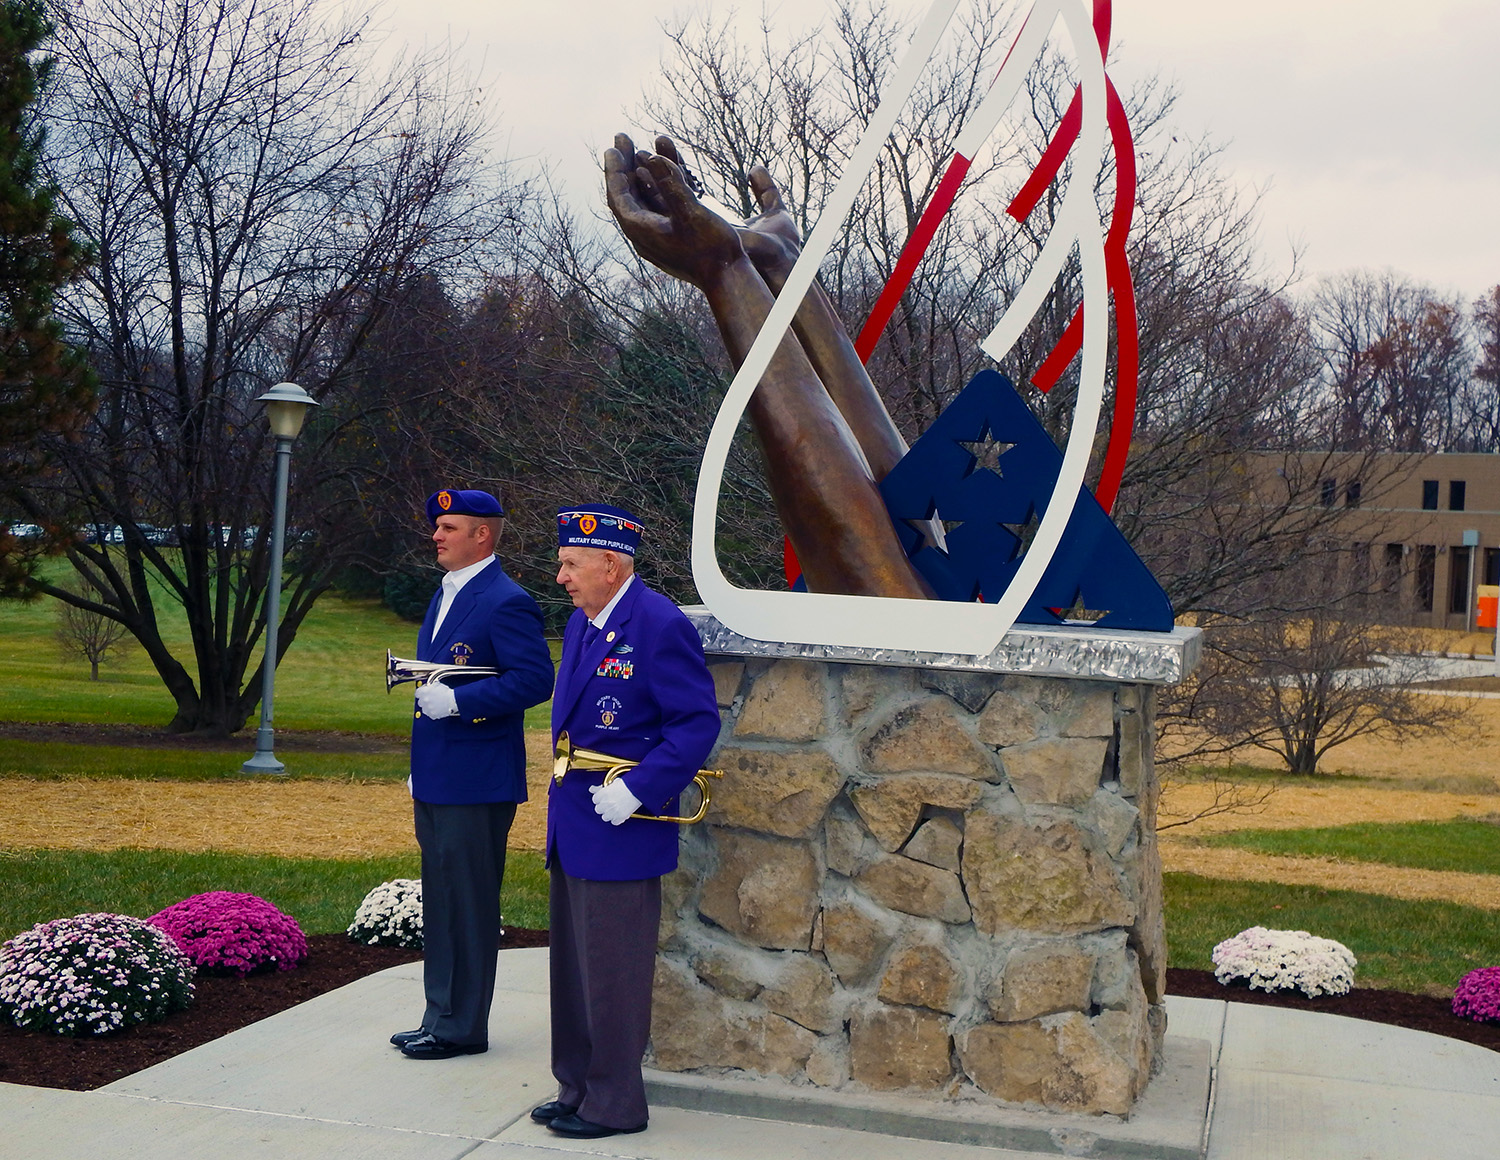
[286, 407]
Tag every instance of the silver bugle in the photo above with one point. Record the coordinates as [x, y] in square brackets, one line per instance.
[398, 671]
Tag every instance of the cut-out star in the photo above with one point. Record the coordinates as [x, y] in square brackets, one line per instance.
[1078, 614]
[934, 531]
[986, 451]
[1024, 533]
[930, 533]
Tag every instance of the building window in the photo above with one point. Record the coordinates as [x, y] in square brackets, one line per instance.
[1429, 495]
[1491, 566]
[1330, 492]
[1426, 576]
[1351, 493]
[1456, 491]
[1390, 569]
[1360, 577]
[1458, 580]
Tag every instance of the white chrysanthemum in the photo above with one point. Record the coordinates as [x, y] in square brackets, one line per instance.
[390, 915]
[1285, 960]
[65, 976]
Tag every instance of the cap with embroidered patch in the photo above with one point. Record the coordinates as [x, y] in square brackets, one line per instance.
[462, 503]
[599, 526]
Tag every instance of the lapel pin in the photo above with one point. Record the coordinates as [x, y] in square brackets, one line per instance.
[608, 639]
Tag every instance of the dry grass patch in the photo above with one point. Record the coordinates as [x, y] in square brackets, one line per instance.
[293, 819]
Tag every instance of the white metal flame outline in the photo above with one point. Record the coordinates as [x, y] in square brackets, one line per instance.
[931, 625]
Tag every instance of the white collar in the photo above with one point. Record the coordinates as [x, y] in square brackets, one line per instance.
[457, 578]
[603, 617]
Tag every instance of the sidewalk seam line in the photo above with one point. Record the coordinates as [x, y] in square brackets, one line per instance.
[289, 1116]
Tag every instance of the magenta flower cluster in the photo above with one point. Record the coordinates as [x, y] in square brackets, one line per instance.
[233, 934]
[1477, 996]
[92, 974]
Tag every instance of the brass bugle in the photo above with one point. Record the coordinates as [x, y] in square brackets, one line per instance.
[399, 671]
[700, 779]
[566, 757]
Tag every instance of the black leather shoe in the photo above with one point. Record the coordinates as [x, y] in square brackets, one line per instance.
[553, 1110]
[402, 1038]
[430, 1046]
[581, 1129]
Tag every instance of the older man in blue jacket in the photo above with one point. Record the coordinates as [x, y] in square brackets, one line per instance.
[468, 767]
[632, 683]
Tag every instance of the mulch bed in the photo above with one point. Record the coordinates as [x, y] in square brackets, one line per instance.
[1418, 1012]
[223, 1005]
[220, 1005]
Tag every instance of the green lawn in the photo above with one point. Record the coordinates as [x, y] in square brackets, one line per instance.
[1467, 845]
[321, 894]
[1258, 775]
[51, 761]
[1424, 947]
[332, 677]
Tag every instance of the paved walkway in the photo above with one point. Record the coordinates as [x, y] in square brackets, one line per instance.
[318, 1081]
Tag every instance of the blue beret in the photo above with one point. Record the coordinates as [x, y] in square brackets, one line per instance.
[462, 503]
[598, 526]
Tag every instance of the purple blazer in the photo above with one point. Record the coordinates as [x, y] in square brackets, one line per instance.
[642, 692]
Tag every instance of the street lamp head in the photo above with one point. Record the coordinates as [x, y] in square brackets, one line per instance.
[286, 407]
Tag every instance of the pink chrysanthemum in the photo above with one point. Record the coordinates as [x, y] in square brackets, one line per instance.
[1477, 996]
[233, 934]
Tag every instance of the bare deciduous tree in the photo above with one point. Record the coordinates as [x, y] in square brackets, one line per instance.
[1484, 404]
[89, 635]
[1300, 685]
[259, 193]
[1397, 362]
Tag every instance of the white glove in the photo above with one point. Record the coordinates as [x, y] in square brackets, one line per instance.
[436, 700]
[614, 802]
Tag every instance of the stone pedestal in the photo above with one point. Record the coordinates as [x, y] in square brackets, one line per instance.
[931, 875]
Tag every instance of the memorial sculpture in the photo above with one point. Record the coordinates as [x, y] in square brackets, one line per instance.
[931, 867]
[861, 511]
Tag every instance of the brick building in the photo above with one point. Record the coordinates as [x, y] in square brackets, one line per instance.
[1426, 526]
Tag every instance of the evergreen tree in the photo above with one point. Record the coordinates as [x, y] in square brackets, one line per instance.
[44, 383]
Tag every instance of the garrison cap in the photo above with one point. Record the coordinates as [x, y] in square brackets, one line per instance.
[462, 503]
[599, 526]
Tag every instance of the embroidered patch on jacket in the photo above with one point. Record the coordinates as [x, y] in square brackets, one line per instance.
[614, 667]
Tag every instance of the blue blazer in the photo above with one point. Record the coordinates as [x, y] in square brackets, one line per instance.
[480, 755]
[643, 692]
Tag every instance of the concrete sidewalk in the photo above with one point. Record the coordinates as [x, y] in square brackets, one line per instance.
[319, 1081]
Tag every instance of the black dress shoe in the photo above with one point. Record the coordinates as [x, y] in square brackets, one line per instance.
[581, 1129]
[402, 1038]
[555, 1109]
[430, 1046]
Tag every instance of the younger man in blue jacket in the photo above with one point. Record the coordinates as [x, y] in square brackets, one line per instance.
[468, 767]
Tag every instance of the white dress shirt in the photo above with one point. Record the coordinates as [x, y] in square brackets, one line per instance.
[453, 583]
[603, 617]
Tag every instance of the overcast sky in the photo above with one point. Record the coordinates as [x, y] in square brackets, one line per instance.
[1375, 124]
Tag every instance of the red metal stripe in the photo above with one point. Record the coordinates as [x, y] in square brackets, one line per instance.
[1050, 162]
[1117, 270]
[911, 254]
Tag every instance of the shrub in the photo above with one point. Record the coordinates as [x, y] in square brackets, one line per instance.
[1285, 960]
[233, 934]
[390, 915]
[1477, 996]
[92, 974]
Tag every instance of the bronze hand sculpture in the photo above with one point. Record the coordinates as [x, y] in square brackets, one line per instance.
[823, 458]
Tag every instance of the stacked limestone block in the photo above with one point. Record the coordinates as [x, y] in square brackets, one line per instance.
[923, 881]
